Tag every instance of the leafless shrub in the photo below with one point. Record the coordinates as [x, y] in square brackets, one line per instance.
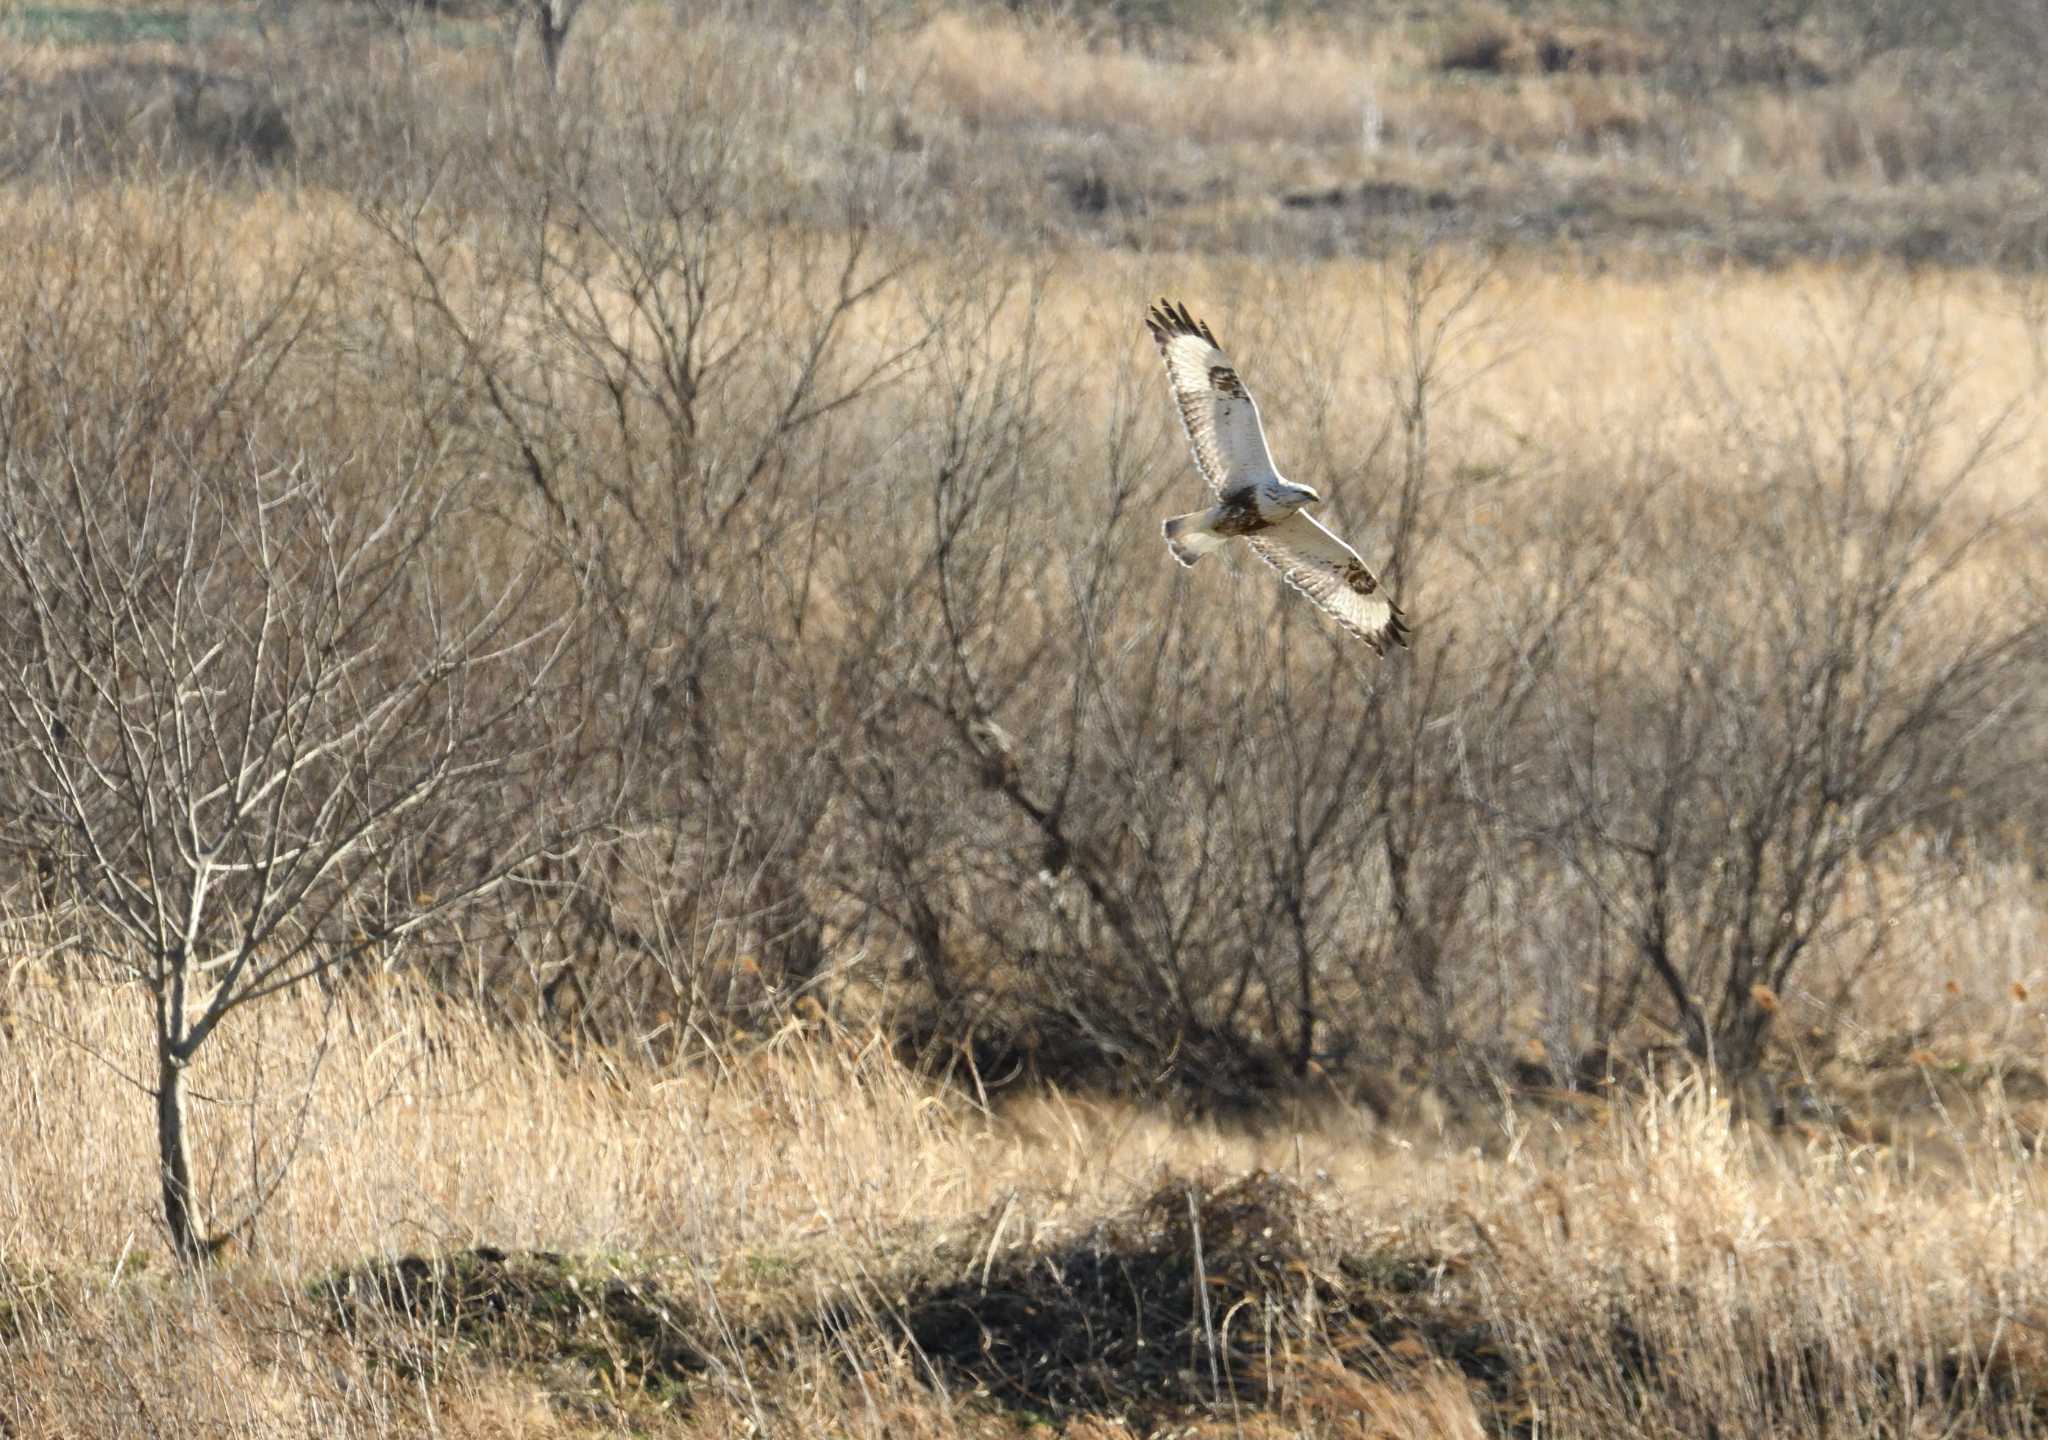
[891, 697]
[672, 387]
[1136, 831]
[883, 676]
[257, 722]
[1787, 680]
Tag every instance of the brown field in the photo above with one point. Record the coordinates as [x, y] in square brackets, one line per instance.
[944, 971]
[794, 1214]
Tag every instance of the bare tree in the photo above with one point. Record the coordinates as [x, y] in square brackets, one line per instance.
[1787, 679]
[264, 709]
[691, 436]
[551, 22]
[253, 727]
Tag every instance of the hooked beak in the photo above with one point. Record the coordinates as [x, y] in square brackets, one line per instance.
[1314, 496]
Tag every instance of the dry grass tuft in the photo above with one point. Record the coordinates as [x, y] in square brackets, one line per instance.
[1268, 88]
[1491, 41]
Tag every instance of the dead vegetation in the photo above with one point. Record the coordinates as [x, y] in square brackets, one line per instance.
[806, 1235]
[600, 638]
[1496, 43]
[1698, 133]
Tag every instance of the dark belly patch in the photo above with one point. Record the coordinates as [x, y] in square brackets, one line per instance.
[1240, 515]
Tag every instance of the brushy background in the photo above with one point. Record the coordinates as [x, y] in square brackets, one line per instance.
[972, 977]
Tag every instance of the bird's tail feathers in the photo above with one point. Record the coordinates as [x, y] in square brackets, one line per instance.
[1190, 538]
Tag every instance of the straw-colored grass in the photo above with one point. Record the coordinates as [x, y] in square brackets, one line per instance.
[1642, 1228]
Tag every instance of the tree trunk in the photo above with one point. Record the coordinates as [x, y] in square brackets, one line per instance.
[552, 18]
[1305, 968]
[174, 1163]
[550, 49]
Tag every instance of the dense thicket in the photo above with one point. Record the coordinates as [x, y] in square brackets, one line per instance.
[768, 599]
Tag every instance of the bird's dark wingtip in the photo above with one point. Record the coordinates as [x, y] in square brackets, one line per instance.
[1169, 318]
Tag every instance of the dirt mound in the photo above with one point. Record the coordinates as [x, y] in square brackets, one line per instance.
[1204, 1302]
[532, 1304]
[1202, 1294]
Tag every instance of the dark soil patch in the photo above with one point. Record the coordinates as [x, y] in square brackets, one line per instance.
[531, 1305]
[1202, 1296]
[1610, 216]
[1205, 1299]
[1501, 45]
[1377, 196]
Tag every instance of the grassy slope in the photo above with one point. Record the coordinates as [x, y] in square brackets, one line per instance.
[806, 1239]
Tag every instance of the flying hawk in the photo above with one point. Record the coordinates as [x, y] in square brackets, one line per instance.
[1254, 500]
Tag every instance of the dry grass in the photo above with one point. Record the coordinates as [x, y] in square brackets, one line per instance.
[1634, 1261]
[1573, 132]
[1586, 370]
[1289, 138]
[1281, 87]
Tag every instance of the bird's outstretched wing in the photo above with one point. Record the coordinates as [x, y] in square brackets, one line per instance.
[1329, 572]
[1221, 418]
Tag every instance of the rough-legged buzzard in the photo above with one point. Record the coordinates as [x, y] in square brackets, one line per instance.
[1253, 500]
